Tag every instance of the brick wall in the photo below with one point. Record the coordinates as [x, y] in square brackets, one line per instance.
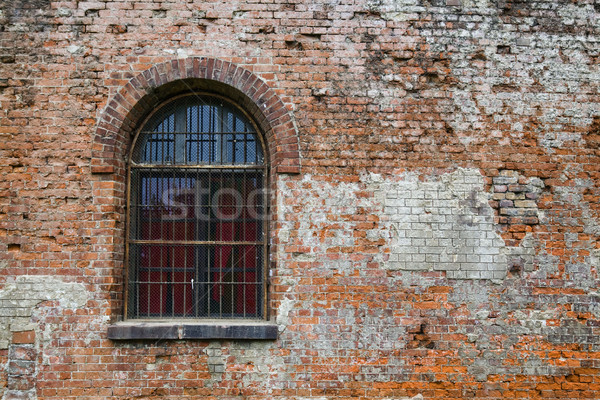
[435, 195]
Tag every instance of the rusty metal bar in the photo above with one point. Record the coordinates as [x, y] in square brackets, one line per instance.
[195, 242]
[197, 166]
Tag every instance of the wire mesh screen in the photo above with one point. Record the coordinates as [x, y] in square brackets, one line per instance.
[197, 212]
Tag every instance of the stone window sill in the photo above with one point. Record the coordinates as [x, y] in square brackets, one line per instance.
[210, 329]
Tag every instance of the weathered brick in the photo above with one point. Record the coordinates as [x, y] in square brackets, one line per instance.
[413, 145]
[23, 337]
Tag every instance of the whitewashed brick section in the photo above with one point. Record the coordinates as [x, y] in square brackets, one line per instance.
[437, 222]
[443, 222]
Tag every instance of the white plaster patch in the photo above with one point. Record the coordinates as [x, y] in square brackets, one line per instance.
[263, 365]
[283, 319]
[558, 65]
[74, 49]
[444, 223]
[19, 297]
[397, 10]
[182, 53]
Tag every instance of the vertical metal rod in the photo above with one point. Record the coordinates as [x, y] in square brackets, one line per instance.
[220, 130]
[198, 135]
[245, 148]
[196, 250]
[148, 280]
[210, 249]
[220, 225]
[265, 242]
[150, 213]
[173, 281]
[244, 215]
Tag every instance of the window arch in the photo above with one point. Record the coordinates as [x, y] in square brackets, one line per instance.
[197, 240]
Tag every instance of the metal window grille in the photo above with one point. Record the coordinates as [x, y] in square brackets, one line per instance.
[197, 243]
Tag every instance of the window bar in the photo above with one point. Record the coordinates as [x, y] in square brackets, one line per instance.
[233, 142]
[185, 248]
[170, 306]
[260, 275]
[201, 130]
[154, 148]
[246, 143]
[196, 291]
[205, 276]
[184, 282]
[210, 248]
[136, 281]
[145, 209]
[196, 250]
[199, 137]
[217, 144]
[161, 210]
[184, 186]
[166, 142]
[151, 148]
[134, 227]
[172, 187]
[216, 132]
[161, 153]
[186, 135]
[257, 271]
[244, 214]
[188, 185]
[231, 139]
[147, 149]
[226, 125]
[148, 217]
[189, 137]
[220, 235]
[161, 284]
[255, 235]
[210, 130]
[245, 148]
[232, 274]
[205, 143]
[235, 250]
[255, 145]
[149, 212]
[224, 264]
[148, 282]
[194, 236]
[222, 139]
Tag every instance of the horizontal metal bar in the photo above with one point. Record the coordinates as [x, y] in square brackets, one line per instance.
[255, 283]
[199, 166]
[170, 218]
[197, 133]
[195, 242]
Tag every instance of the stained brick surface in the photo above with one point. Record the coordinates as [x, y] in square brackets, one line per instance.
[434, 195]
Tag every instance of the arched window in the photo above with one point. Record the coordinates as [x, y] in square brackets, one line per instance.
[197, 240]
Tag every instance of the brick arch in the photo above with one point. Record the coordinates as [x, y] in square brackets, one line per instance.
[146, 91]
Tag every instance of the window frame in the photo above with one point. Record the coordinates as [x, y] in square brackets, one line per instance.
[198, 320]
